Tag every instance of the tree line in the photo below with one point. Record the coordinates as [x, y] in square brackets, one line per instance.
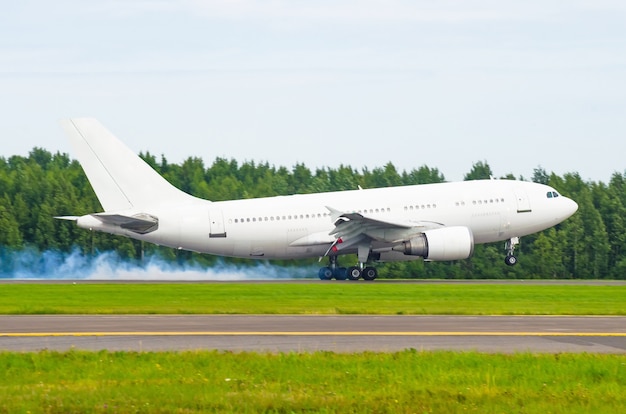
[34, 189]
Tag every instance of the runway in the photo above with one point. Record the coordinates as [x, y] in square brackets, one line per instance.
[284, 333]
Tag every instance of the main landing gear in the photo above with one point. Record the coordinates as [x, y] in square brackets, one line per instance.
[341, 273]
[357, 272]
[332, 270]
[510, 259]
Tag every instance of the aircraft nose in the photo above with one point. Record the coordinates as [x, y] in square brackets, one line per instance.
[569, 207]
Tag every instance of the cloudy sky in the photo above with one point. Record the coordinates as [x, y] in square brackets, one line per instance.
[355, 82]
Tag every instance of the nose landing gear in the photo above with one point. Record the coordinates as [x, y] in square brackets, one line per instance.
[510, 259]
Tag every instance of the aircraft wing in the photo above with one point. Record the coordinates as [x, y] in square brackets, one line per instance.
[353, 229]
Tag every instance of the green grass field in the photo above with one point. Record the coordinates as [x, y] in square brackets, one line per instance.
[321, 382]
[313, 298]
[403, 382]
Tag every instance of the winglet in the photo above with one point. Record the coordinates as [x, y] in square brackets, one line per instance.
[334, 213]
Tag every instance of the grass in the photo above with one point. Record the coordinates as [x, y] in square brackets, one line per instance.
[313, 298]
[323, 382]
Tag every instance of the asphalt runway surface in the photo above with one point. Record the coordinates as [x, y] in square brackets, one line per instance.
[284, 333]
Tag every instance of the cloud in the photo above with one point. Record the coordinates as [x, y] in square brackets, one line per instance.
[346, 10]
[370, 11]
[332, 11]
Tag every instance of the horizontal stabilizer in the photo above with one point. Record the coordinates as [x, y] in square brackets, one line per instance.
[139, 223]
[69, 218]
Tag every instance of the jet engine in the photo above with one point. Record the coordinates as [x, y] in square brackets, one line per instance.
[446, 243]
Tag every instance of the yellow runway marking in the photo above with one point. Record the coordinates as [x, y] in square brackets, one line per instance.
[317, 333]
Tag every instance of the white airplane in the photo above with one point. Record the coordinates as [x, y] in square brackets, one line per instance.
[435, 222]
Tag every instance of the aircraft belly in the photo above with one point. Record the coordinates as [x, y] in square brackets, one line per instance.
[294, 250]
[258, 243]
[488, 226]
[241, 248]
[528, 223]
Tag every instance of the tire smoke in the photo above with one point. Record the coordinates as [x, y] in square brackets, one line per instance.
[54, 265]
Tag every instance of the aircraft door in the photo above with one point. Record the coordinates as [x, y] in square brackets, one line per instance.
[216, 223]
[523, 202]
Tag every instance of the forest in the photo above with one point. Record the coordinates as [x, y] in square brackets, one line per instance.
[34, 189]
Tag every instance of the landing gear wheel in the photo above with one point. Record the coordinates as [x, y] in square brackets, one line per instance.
[510, 260]
[325, 273]
[370, 273]
[340, 273]
[354, 273]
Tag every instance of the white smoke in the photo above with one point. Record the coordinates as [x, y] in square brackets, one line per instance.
[54, 265]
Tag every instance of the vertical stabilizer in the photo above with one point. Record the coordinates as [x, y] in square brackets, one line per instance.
[120, 178]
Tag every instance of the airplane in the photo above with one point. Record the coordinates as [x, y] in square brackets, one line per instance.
[433, 222]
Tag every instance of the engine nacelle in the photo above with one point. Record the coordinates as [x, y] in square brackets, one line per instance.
[446, 243]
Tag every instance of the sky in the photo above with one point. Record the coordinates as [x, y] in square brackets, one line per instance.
[519, 85]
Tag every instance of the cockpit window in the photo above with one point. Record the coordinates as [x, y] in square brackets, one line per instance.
[552, 194]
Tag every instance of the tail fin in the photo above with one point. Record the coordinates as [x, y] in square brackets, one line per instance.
[119, 177]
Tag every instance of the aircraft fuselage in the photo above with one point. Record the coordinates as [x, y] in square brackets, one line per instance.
[298, 226]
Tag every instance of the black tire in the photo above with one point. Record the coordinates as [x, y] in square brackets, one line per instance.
[510, 260]
[354, 273]
[340, 273]
[325, 273]
[370, 273]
